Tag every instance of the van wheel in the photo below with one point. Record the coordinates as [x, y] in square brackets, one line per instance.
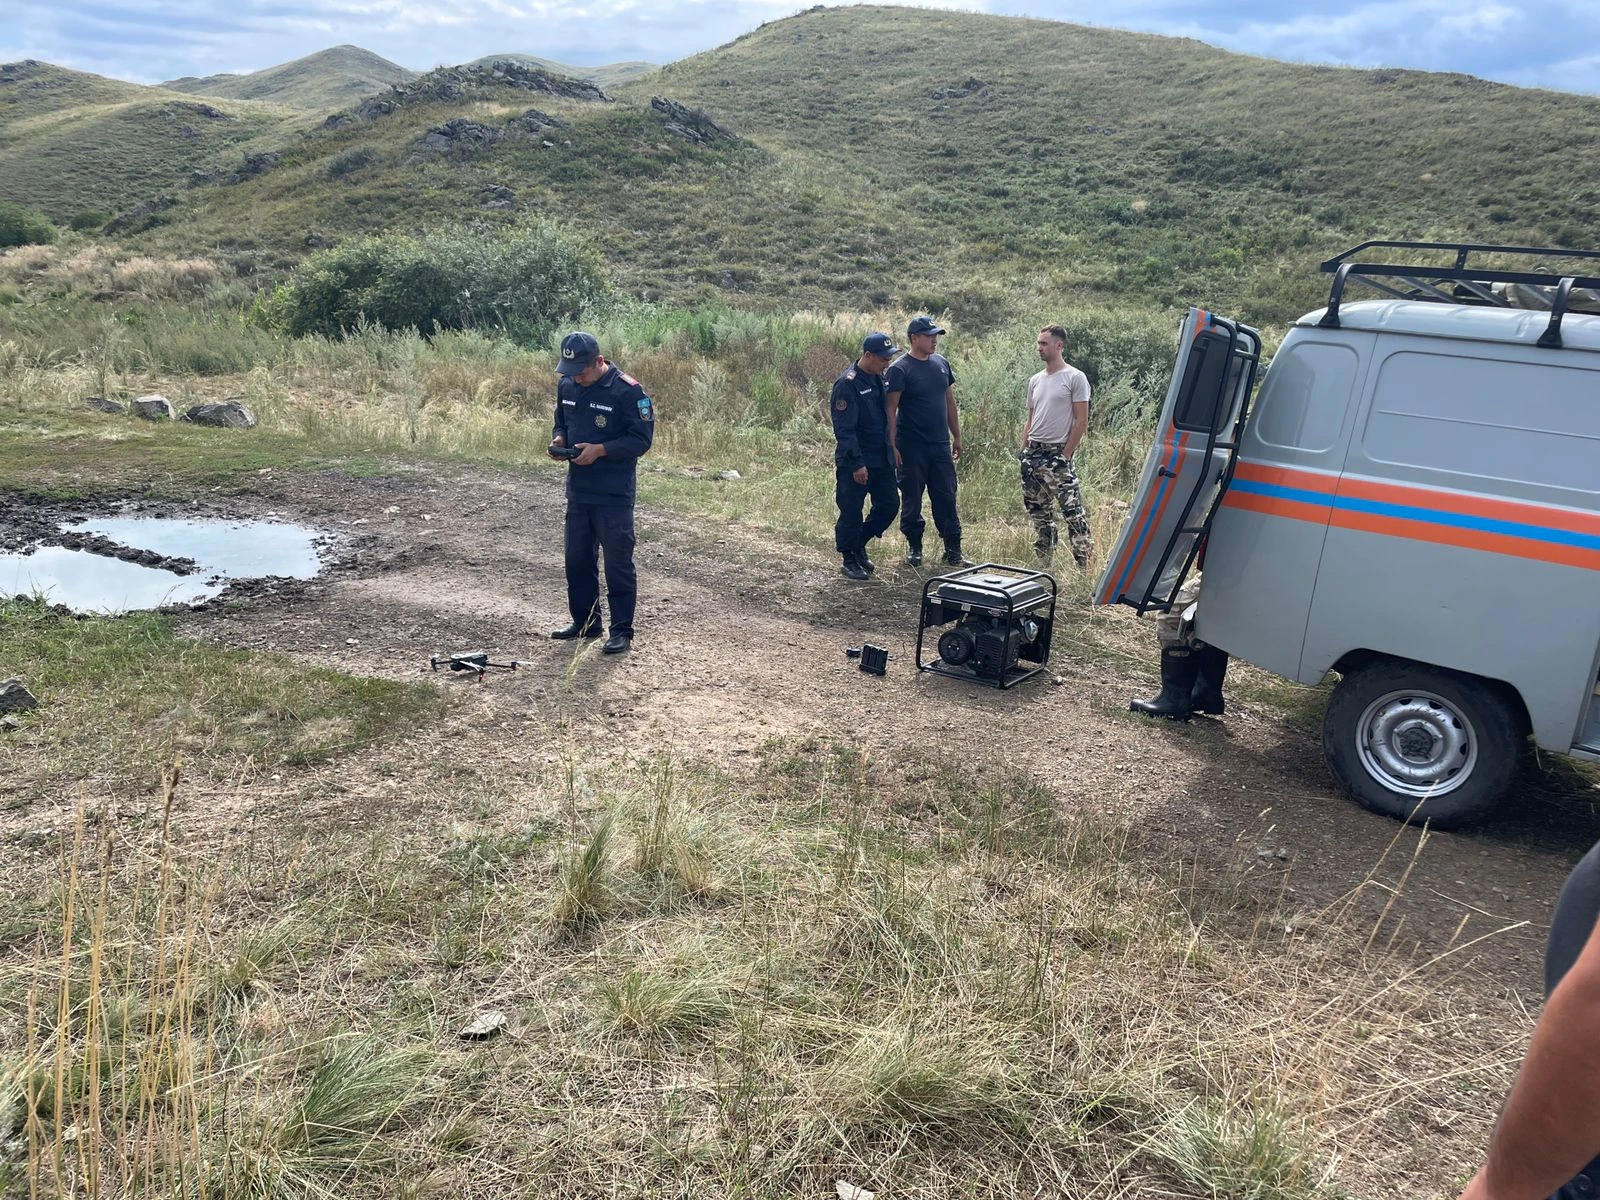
[1420, 743]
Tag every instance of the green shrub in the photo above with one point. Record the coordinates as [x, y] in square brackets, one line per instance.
[347, 162]
[23, 227]
[88, 220]
[524, 281]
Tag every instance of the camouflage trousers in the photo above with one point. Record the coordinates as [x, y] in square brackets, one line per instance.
[1049, 480]
[1176, 628]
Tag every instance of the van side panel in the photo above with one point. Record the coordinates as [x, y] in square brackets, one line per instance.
[1263, 552]
[1465, 529]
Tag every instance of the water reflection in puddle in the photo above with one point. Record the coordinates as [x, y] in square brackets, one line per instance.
[224, 550]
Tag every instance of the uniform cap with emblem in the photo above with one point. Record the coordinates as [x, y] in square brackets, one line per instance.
[923, 325]
[578, 350]
[880, 344]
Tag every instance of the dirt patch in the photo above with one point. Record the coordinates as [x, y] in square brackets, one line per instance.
[740, 643]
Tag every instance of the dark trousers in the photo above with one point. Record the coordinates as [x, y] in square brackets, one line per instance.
[607, 528]
[931, 469]
[851, 532]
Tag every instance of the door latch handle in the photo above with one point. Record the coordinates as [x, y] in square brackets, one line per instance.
[1166, 474]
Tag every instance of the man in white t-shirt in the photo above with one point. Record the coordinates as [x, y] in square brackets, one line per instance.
[1058, 417]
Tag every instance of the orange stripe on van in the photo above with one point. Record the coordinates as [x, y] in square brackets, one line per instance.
[1171, 452]
[1467, 539]
[1311, 481]
[1521, 511]
[1272, 506]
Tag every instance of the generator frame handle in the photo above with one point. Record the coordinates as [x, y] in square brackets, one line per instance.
[938, 666]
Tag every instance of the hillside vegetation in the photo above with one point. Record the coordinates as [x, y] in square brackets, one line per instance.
[72, 142]
[324, 80]
[890, 157]
[935, 160]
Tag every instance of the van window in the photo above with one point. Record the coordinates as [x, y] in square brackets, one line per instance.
[1524, 422]
[1306, 395]
[1202, 406]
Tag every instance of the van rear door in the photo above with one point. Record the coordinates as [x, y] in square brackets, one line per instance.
[1189, 465]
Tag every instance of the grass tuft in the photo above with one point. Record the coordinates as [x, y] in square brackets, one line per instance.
[662, 1004]
[586, 893]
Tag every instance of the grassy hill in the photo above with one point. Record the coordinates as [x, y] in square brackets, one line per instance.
[890, 156]
[325, 80]
[72, 142]
[609, 76]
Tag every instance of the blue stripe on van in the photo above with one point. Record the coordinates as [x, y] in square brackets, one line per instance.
[1406, 512]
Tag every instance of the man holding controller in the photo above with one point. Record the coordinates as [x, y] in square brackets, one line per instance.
[604, 421]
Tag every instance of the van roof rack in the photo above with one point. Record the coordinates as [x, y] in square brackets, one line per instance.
[1459, 282]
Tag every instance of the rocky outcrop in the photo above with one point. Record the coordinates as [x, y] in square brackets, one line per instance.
[534, 121]
[31, 75]
[495, 196]
[689, 123]
[460, 134]
[455, 85]
[225, 414]
[101, 404]
[155, 408]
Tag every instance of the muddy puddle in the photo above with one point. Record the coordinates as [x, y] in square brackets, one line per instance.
[126, 564]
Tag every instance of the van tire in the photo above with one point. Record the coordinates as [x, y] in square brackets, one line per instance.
[1423, 744]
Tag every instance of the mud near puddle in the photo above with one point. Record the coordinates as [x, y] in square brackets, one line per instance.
[112, 558]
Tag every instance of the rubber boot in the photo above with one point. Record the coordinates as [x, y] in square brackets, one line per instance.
[1211, 669]
[913, 552]
[1179, 665]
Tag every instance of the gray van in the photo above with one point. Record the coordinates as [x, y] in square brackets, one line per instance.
[1411, 501]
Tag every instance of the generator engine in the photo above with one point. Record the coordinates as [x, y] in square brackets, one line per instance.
[995, 623]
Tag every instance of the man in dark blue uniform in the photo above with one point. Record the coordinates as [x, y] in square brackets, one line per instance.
[925, 437]
[862, 465]
[605, 416]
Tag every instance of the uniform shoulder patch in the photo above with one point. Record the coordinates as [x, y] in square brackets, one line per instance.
[647, 411]
[850, 373]
[840, 404]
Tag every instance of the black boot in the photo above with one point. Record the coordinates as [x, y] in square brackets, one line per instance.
[1179, 665]
[865, 563]
[567, 633]
[914, 552]
[1212, 667]
[852, 568]
[953, 556]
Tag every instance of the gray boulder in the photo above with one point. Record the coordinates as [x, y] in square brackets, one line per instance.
[16, 698]
[227, 414]
[461, 134]
[493, 195]
[101, 404]
[691, 124]
[155, 408]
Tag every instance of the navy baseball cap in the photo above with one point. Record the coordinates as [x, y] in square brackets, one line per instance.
[578, 350]
[923, 325]
[880, 344]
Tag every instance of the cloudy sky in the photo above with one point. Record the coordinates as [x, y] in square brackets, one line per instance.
[1548, 43]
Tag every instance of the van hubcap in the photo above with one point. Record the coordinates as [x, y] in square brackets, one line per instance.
[1415, 743]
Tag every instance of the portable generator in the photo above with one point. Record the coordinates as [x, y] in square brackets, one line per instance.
[993, 623]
